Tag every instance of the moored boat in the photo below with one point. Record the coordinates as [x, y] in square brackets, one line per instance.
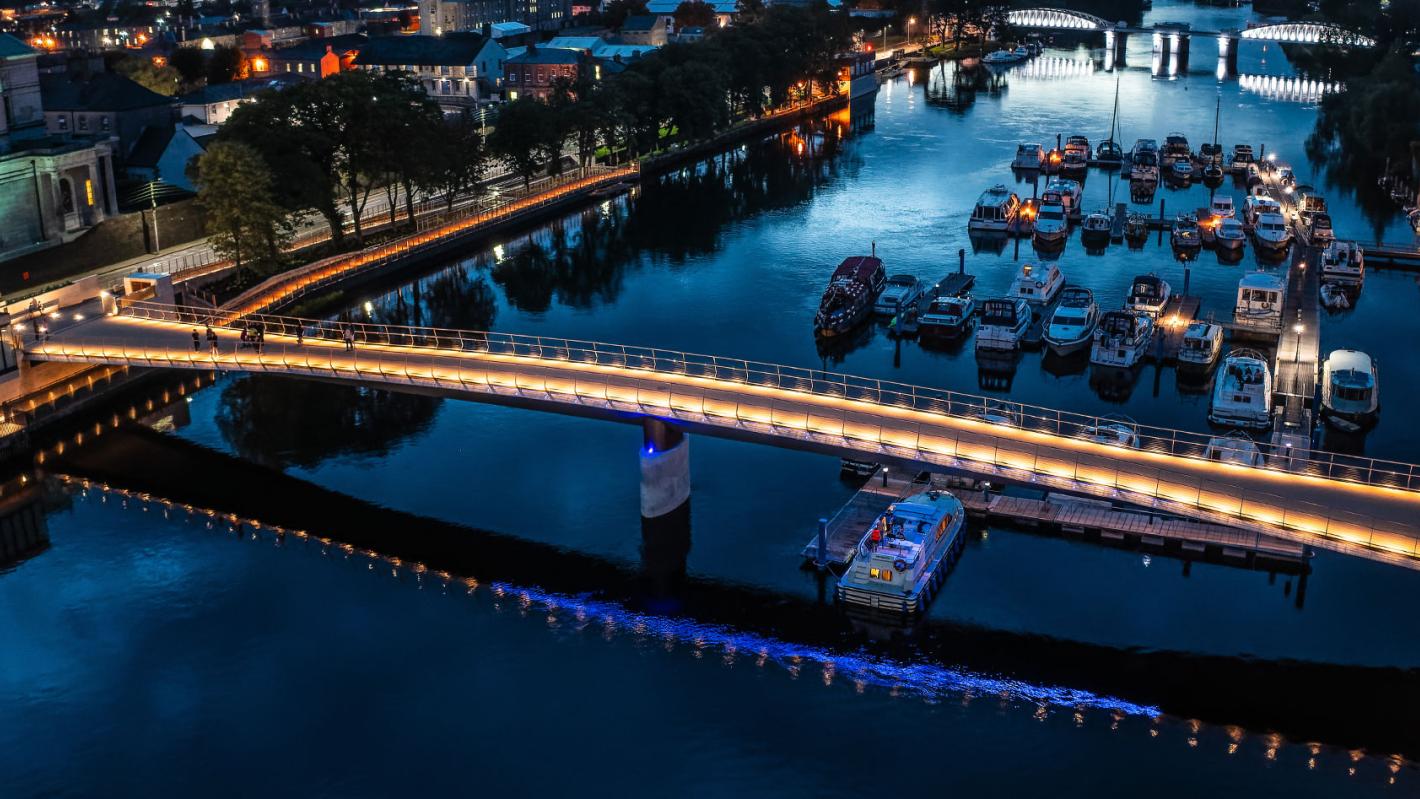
[1319, 232]
[903, 556]
[1136, 227]
[1003, 322]
[1038, 285]
[1350, 389]
[1344, 264]
[947, 318]
[1185, 235]
[1271, 234]
[1242, 394]
[994, 210]
[1148, 295]
[1095, 230]
[1201, 344]
[900, 292]
[1242, 157]
[1230, 237]
[848, 300]
[1235, 448]
[1049, 224]
[1064, 191]
[1259, 302]
[1077, 155]
[1028, 157]
[1071, 327]
[1122, 339]
[1115, 431]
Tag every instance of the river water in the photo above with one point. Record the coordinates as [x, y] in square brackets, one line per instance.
[146, 653]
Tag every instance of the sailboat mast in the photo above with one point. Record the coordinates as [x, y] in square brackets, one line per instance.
[1217, 112]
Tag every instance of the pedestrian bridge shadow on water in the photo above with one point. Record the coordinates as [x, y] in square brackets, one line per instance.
[1355, 707]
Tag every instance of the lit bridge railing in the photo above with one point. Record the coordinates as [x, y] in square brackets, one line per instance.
[1307, 494]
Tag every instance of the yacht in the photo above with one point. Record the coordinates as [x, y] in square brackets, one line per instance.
[1051, 226]
[1271, 235]
[1319, 232]
[1122, 339]
[1222, 207]
[1109, 153]
[947, 317]
[1333, 297]
[1071, 327]
[1343, 264]
[1259, 303]
[1142, 146]
[1077, 155]
[1185, 234]
[1235, 448]
[1114, 431]
[848, 300]
[1201, 345]
[905, 553]
[1258, 204]
[1095, 230]
[1028, 157]
[1176, 148]
[1003, 323]
[1242, 395]
[1181, 170]
[1148, 295]
[1310, 205]
[1065, 191]
[1242, 157]
[1145, 167]
[1230, 236]
[994, 210]
[1136, 227]
[1350, 389]
[1038, 285]
[900, 293]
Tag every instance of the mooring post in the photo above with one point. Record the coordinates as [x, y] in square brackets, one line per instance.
[821, 554]
[885, 471]
[961, 260]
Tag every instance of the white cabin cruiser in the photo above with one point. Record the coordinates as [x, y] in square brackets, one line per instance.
[946, 317]
[1271, 234]
[1114, 431]
[1259, 303]
[1350, 389]
[1038, 285]
[1065, 191]
[1003, 322]
[1235, 448]
[1201, 345]
[1185, 234]
[1071, 328]
[900, 292]
[994, 210]
[1242, 395]
[1258, 204]
[1344, 264]
[904, 555]
[1122, 339]
[1222, 207]
[1148, 295]
[1028, 156]
[1095, 230]
[1230, 237]
[1319, 231]
[1051, 225]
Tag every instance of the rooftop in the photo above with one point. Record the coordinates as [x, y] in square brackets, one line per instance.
[314, 49]
[10, 47]
[641, 22]
[102, 92]
[548, 55]
[451, 49]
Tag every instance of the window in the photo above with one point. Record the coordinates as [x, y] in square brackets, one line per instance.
[63, 122]
[89, 191]
[105, 124]
[880, 574]
[83, 123]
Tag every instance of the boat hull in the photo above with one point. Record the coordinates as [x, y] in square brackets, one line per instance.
[916, 600]
[1067, 347]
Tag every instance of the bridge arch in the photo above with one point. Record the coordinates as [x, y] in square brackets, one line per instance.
[1309, 33]
[1057, 19]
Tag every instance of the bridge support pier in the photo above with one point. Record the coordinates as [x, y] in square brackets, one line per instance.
[1227, 56]
[1116, 44]
[665, 507]
[1181, 47]
[665, 469]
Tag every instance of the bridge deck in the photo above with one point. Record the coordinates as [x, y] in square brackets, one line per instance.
[1342, 504]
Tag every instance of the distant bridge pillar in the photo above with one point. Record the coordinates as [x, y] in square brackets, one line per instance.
[1227, 55]
[1163, 47]
[1181, 46]
[665, 469]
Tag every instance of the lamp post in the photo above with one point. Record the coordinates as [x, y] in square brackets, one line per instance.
[911, 21]
[1297, 357]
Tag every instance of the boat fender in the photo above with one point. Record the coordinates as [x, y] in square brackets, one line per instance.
[900, 565]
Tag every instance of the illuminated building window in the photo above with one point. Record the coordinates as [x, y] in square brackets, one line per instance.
[89, 191]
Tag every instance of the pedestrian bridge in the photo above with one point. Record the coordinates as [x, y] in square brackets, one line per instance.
[1355, 505]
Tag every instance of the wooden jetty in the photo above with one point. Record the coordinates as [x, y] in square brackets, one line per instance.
[1034, 337]
[1062, 513]
[955, 284]
[1116, 226]
[1173, 323]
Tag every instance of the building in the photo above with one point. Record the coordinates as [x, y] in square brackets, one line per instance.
[211, 105]
[52, 188]
[458, 70]
[600, 49]
[316, 57]
[647, 30]
[164, 154]
[100, 106]
[536, 71]
[438, 17]
[725, 10]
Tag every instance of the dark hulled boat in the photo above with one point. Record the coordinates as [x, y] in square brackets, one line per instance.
[848, 300]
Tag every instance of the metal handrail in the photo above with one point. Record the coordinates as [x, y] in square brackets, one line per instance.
[438, 359]
[874, 391]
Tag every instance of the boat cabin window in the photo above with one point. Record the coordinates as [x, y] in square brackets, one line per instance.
[880, 574]
[1352, 393]
[1056, 215]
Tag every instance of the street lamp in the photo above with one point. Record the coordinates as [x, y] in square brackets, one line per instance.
[1297, 356]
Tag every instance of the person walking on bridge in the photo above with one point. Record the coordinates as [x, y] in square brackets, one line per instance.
[349, 338]
[196, 341]
[212, 339]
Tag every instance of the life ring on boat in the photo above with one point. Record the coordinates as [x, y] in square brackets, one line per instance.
[900, 565]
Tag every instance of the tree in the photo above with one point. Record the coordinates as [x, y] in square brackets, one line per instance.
[164, 80]
[226, 65]
[525, 127]
[694, 14]
[460, 159]
[244, 221]
[190, 63]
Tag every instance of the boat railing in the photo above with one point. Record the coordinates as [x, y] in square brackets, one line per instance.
[861, 397]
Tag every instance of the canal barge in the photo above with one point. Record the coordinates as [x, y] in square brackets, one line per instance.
[904, 555]
[848, 300]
